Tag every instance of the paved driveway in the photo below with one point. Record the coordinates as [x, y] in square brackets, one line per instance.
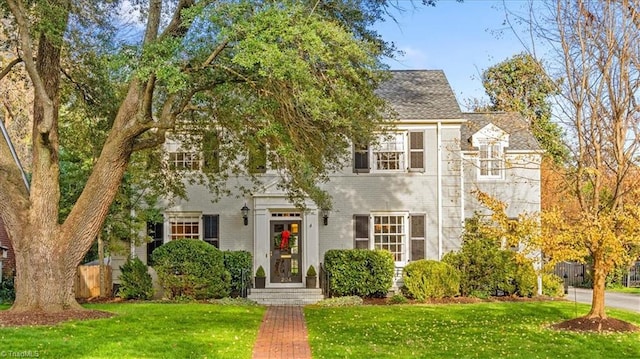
[611, 299]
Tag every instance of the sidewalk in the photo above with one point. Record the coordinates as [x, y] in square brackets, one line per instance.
[283, 334]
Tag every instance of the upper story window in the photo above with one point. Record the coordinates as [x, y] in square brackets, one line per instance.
[257, 158]
[491, 142]
[490, 160]
[181, 160]
[390, 154]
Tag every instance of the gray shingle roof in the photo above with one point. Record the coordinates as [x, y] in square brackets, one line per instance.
[420, 94]
[520, 137]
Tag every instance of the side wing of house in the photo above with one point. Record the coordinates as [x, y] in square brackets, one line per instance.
[7, 260]
[502, 159]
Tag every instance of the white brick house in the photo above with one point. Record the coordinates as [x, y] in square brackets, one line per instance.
[409, 195]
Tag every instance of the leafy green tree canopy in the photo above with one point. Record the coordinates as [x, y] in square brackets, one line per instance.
[223, 77]
[520, 84]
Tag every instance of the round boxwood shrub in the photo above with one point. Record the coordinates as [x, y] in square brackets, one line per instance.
[136, 282]
[425, 279]
[191, 269]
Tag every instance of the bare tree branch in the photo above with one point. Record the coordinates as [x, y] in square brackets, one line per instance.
[18, 11]
[8, 68]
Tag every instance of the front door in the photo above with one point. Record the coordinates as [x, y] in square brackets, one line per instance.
[286, 249]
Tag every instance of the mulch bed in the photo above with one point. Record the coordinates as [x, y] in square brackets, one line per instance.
[10, 319]
[584, 324]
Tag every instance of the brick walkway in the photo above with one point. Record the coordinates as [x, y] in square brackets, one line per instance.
[283, 334]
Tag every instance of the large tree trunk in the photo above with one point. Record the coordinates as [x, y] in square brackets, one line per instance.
[48, 252]
[599, 284]
[44, 279]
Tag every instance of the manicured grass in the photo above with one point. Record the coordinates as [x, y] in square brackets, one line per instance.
[632, 290]
[144, 330]
[483, 330]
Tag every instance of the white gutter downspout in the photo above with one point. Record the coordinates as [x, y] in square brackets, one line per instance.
[439, 185]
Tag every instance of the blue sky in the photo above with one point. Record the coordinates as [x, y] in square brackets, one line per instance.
[463, 39]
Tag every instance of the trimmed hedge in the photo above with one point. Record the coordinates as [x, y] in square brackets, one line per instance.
[359, 272]
[239, 264]
[191, 269]
[425, 279]
[136, 282]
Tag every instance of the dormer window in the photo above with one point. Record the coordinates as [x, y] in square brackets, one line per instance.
[491, 142]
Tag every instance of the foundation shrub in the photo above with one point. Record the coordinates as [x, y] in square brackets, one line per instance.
[191, 269]
[359, 272]
[135, 280]
[239, 264]
[427, 279]
[552, 285]
[7, 290]
[488, 270]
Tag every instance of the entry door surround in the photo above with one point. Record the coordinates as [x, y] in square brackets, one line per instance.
[287, 248]
[276, 207]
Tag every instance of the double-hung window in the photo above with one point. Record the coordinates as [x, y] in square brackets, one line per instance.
[394, 152]
[389, 153]
[490, 160]
[390, 233]
[184, 226]
[184, 161]
[397, 232]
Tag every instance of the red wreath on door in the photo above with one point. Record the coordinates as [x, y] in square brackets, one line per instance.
[284, 242]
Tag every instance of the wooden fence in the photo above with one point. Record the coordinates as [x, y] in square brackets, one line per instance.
[88, 281]
[573, 272]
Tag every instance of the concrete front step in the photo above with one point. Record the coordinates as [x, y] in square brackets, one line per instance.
[286, 296]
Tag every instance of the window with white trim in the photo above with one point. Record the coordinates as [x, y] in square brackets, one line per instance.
[490, 160]
[184, 227]
[389, 153]
[395, 152]
[181, 161]
[390, 233]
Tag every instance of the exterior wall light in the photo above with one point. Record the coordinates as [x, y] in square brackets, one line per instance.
[325, 216]
[245, 214]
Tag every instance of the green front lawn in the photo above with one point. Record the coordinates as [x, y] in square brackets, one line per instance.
[628, 290]
[483, 330]
[144, 330]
